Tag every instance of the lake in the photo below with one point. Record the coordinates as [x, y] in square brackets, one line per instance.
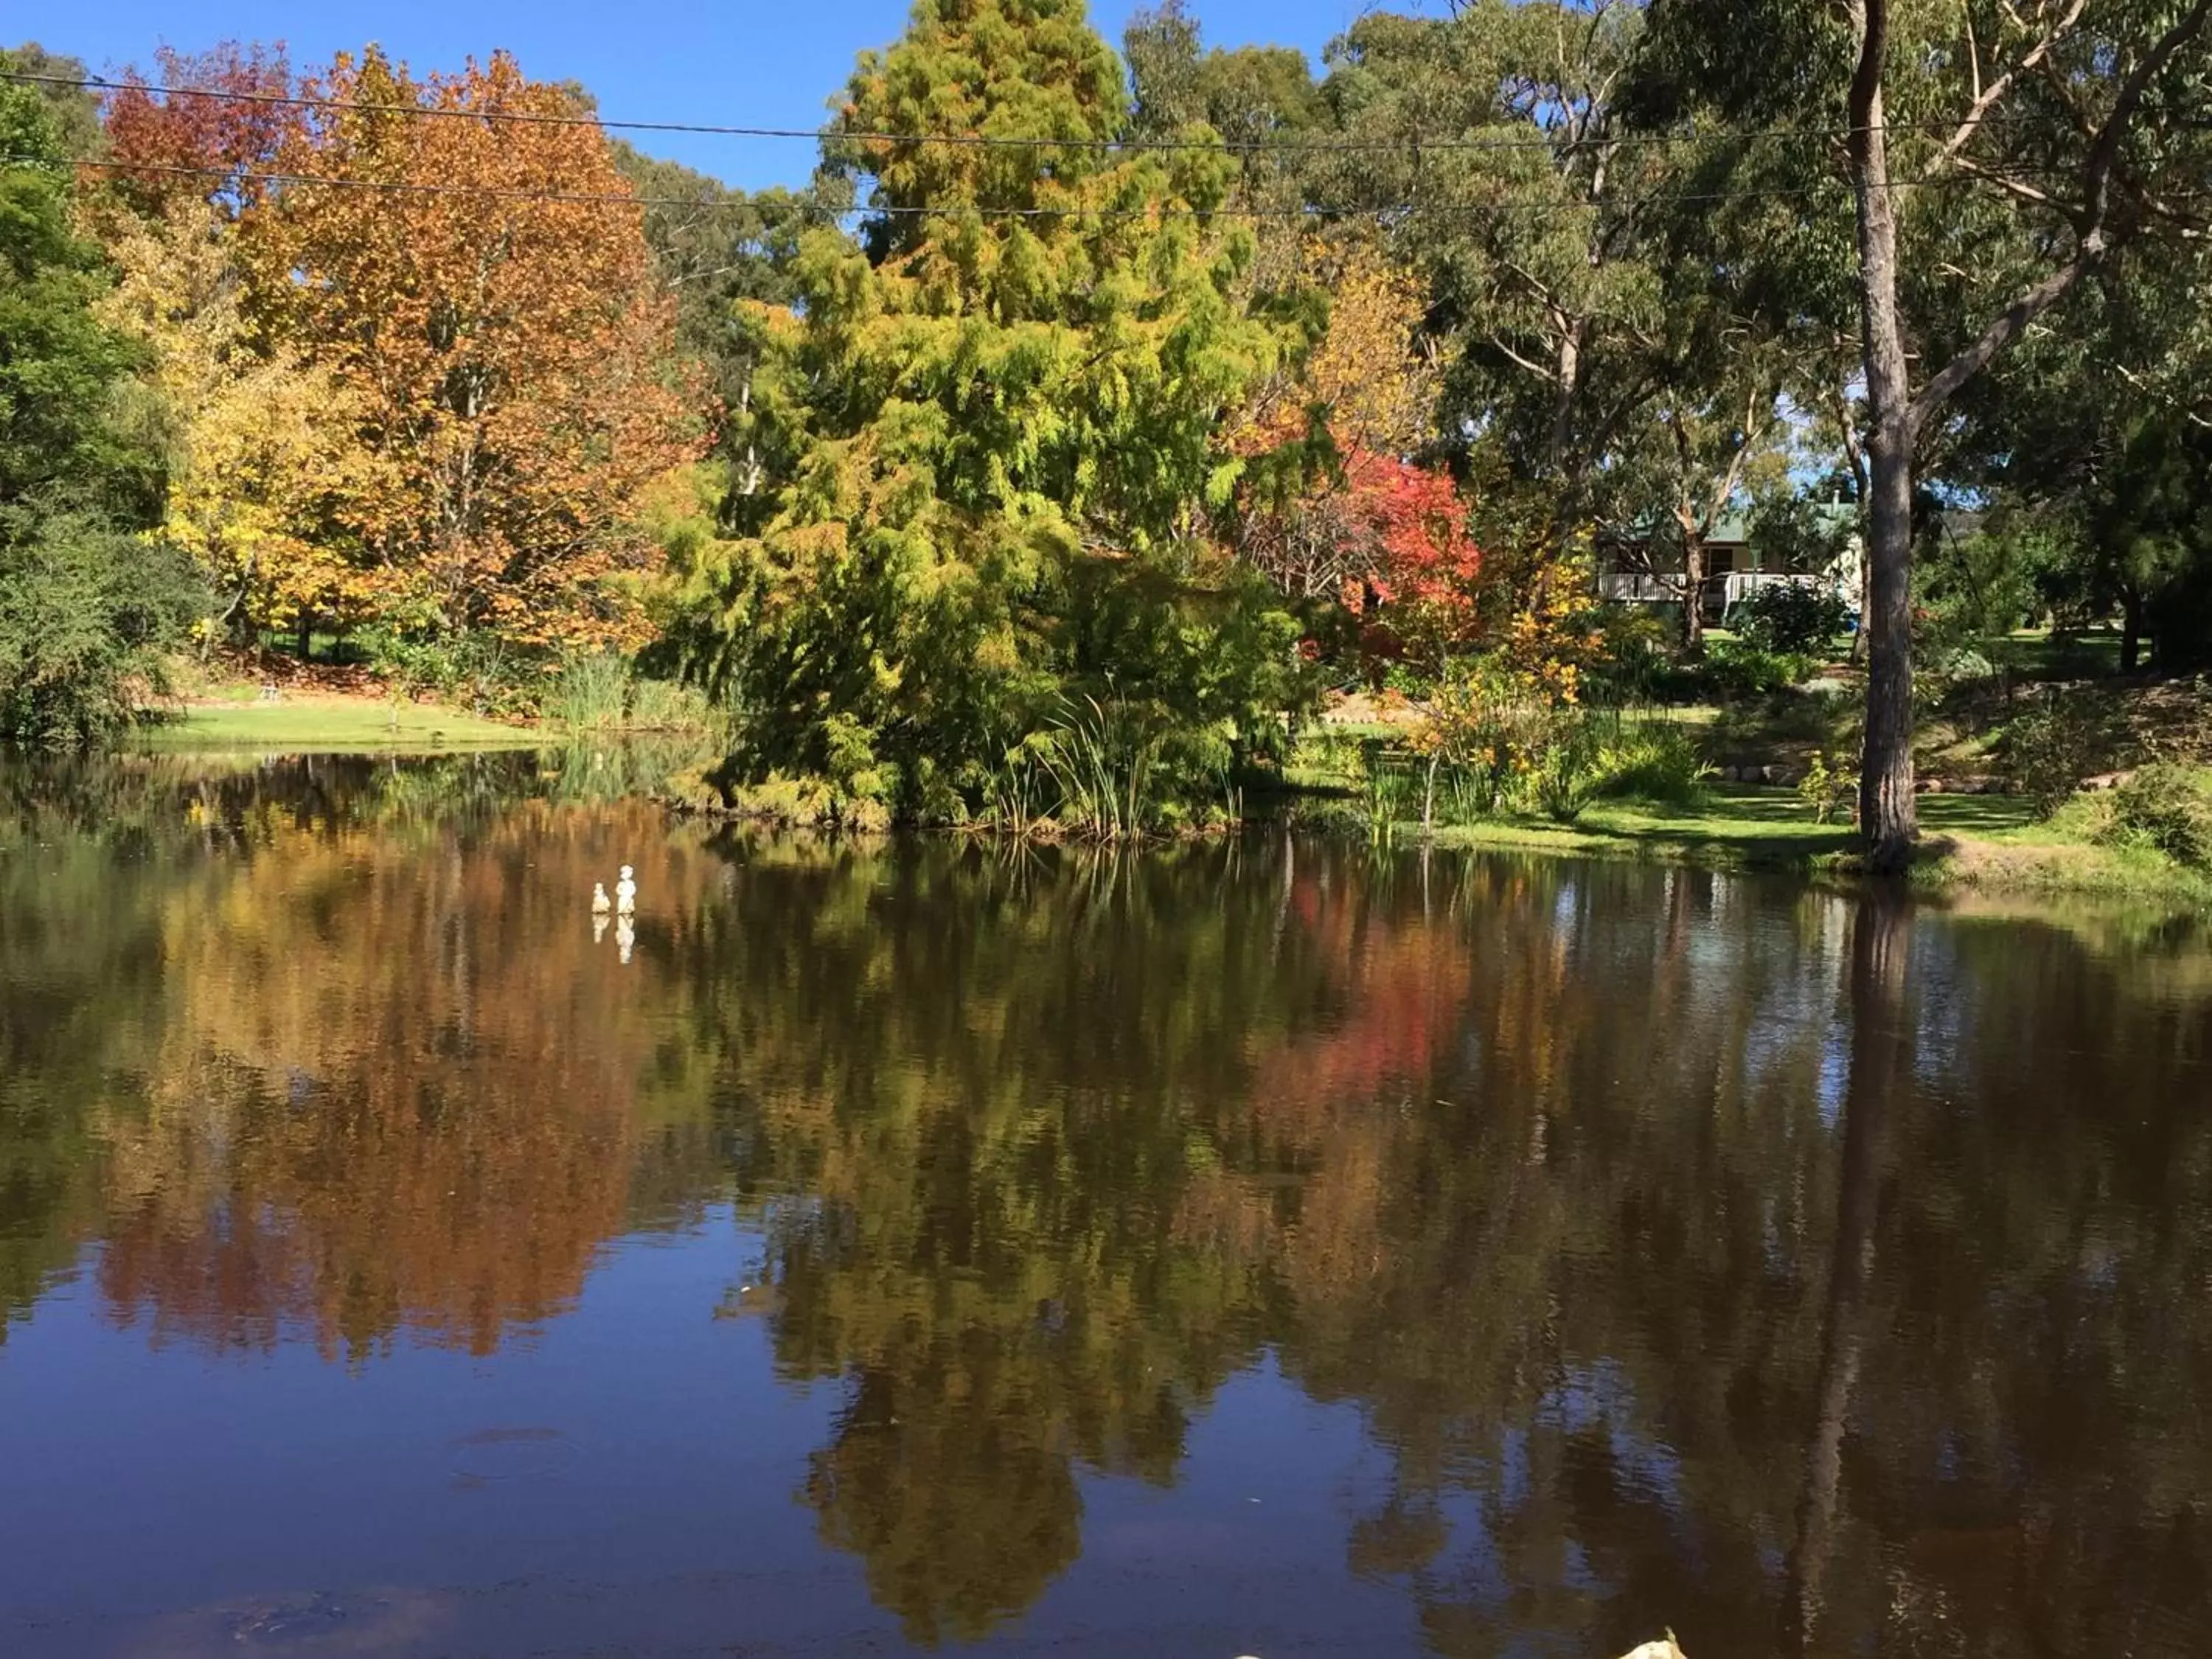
[1277, 1248]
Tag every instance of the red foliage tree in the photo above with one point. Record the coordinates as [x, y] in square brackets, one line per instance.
[1413, 567]
[206, 124]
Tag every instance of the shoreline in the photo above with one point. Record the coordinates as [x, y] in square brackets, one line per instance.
[1971, 843]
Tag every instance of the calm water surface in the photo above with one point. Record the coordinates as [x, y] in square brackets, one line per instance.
[1276, 1250]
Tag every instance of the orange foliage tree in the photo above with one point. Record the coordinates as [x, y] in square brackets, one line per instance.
[487, 287]
[215, 137]
[482, 291]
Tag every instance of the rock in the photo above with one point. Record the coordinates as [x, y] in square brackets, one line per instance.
[1931, 785]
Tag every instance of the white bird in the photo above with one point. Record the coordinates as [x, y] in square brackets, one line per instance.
[625, 893]
[600, 902]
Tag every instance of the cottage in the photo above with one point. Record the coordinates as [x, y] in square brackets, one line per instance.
[1644, 567]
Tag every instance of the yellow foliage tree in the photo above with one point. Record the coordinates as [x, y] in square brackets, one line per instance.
[264, 462]
[1371, 374]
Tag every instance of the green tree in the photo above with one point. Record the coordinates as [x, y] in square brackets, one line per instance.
[731, 259]
[74, 109]
[1013, 392]
[1996, 156]
[2091, 442]
[58, 365]
[1248, 95]
[84, 607]
[1525, 227]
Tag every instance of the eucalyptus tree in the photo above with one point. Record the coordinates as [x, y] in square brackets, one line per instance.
[2093, 446]
[1250, 96]
[1608, 365]
[731, 258]
[1489, 140]
[1997, 155]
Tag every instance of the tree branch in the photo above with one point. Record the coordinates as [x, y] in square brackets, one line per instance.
[2094, 239]
[2026, 192]
[1986, 96]
[1854, 451]
[1518, 360]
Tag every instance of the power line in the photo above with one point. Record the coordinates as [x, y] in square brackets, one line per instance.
[1307, 211]
[1411, 145]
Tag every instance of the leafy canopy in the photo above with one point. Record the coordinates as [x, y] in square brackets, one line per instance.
[1014, 388]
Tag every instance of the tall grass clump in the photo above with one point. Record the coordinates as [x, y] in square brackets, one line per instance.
[604, 692]
[1107, 770]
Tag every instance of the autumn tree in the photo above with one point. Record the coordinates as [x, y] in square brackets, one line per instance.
[483, 286]
[206, 125]
[262, 457]
[1342, 502]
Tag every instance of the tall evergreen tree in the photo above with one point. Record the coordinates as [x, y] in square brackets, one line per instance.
[1014, 386]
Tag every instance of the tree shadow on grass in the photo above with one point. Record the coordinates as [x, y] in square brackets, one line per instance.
[1976, 815]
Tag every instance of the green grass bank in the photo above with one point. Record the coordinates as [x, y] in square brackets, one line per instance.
[332, 724]
[1992, 843]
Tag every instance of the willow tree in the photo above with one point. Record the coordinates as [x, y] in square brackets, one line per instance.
[1014, 384]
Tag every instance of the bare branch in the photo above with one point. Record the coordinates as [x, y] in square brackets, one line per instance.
[1733, 475]
[2010, 186]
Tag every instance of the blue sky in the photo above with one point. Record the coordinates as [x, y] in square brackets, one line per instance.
[745, 63]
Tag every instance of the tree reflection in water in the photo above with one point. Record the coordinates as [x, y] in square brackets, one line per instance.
[1784, 1266]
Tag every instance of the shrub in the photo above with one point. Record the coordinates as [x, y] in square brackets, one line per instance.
[1564, 771]
[86, 614]
[1829, 787]
[1635, 658]
[479, 668]
[1793, 618]
[2167, 807]
[1654, 761]
[2052, 746]
[1735, 668]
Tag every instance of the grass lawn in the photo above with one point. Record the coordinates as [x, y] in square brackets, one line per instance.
[1992, 842]
[2090, 653]
[330, 723]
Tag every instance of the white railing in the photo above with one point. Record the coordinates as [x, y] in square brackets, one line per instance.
[1738, 586]
[1724, 592]
[1638, 587]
